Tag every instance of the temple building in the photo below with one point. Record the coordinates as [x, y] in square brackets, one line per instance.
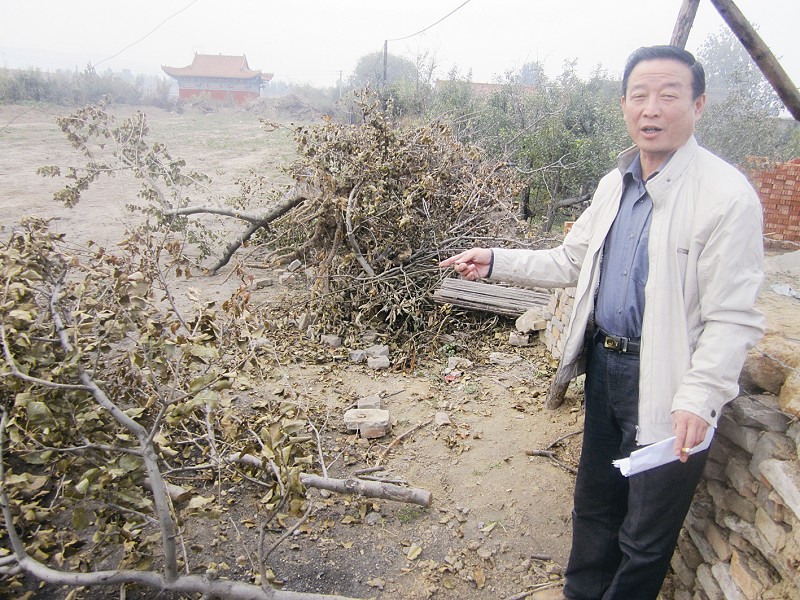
[226, 78]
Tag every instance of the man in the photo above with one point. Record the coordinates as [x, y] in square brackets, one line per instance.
[667, 264]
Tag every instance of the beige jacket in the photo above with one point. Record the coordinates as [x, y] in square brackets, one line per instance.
[705, 270]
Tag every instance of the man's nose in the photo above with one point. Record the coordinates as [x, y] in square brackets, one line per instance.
[652, 106]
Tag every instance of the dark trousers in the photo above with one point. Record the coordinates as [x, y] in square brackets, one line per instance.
[624, 530]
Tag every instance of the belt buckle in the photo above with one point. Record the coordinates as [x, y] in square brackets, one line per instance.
[611, 343]
[618, 344]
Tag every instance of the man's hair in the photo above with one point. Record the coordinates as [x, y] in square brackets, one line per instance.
[668, 53]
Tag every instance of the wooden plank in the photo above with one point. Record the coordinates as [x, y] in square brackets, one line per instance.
[499, 299]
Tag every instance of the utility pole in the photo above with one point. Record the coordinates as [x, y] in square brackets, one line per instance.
[385, 60]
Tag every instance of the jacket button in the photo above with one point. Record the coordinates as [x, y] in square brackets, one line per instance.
[713, 413]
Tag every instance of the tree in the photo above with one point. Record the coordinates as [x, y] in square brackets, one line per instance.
[369, 71]
[561, 135]
[742, 116]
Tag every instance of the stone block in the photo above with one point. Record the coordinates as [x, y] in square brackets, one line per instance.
[709, 583]
[714, 470]
[294, 265]
[459, 363]
[286, 278]
[499, 358]
[369, 422]
[744, 437]
[358, 356]
[751, 575]
[691, 555]
[722, 573]
[730, 500]
[377, 350]
[702, 544]
[775, 534]
[772, 445]
[378, 363]
[784, 477]
[373, 401]
[790, 394]
[771, 503]
[334, 341]
[740, 478]
[766, 364]
[519, 340]
[532, 319]
[682, 571]
[306, 320]
[761, 412]
[716, 537]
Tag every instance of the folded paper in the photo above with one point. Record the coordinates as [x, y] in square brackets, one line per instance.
[657, 454]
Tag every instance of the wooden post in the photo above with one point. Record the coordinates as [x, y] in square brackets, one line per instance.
[761, 54]
[684, 23]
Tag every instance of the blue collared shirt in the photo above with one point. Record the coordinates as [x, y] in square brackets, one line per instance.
[620, 295]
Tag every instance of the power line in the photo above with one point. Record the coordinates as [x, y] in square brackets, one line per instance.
[432, 25]
[147, 35]
[386, 42]
[141, 39]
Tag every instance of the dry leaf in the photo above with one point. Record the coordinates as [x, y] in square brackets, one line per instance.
[413, 551]
[480, 577]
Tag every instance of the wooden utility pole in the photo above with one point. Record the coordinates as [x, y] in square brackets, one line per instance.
[761, 54]
[684, 23]
[385, 60]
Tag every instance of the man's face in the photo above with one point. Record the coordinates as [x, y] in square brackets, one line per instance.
[659, 108]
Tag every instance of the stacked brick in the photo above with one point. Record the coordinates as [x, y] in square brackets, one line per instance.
[557, 315]
[779, 190]
[741, 539]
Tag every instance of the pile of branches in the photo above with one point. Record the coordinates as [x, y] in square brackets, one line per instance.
[393, 201]
[375, 206]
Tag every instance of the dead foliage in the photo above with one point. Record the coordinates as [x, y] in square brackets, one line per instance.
[393, 201]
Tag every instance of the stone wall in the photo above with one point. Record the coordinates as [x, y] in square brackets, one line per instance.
[557, 315]
[741, 539]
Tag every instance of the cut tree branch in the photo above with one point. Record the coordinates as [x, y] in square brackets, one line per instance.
[297, 195]
[370, 489]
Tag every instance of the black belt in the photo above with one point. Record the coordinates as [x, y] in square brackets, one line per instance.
[618, 343]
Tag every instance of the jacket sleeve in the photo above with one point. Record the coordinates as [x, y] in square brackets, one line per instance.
[730, 274]
[557, 267]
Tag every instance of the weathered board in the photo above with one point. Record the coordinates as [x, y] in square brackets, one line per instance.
[489, 297]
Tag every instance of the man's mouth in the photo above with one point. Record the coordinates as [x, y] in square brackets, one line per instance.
[650, 130]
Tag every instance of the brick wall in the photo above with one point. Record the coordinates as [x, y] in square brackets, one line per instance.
[779, 189]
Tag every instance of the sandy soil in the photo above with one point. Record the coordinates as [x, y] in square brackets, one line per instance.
[500, 519]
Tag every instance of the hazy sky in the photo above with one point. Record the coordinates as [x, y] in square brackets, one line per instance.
[315, 41]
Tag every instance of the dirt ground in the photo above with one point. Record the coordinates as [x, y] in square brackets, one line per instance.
[499, 524]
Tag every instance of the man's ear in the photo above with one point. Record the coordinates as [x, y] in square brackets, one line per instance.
[699, 106]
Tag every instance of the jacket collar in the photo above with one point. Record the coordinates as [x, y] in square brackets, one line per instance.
[674, 168]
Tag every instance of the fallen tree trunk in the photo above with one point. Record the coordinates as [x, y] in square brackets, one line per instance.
[370, 489]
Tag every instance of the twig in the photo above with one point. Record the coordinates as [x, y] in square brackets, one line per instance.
[535, 588]
[564, 437]
[287, 533]
[401, 437]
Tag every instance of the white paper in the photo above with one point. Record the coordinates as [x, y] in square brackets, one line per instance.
[657, 454]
